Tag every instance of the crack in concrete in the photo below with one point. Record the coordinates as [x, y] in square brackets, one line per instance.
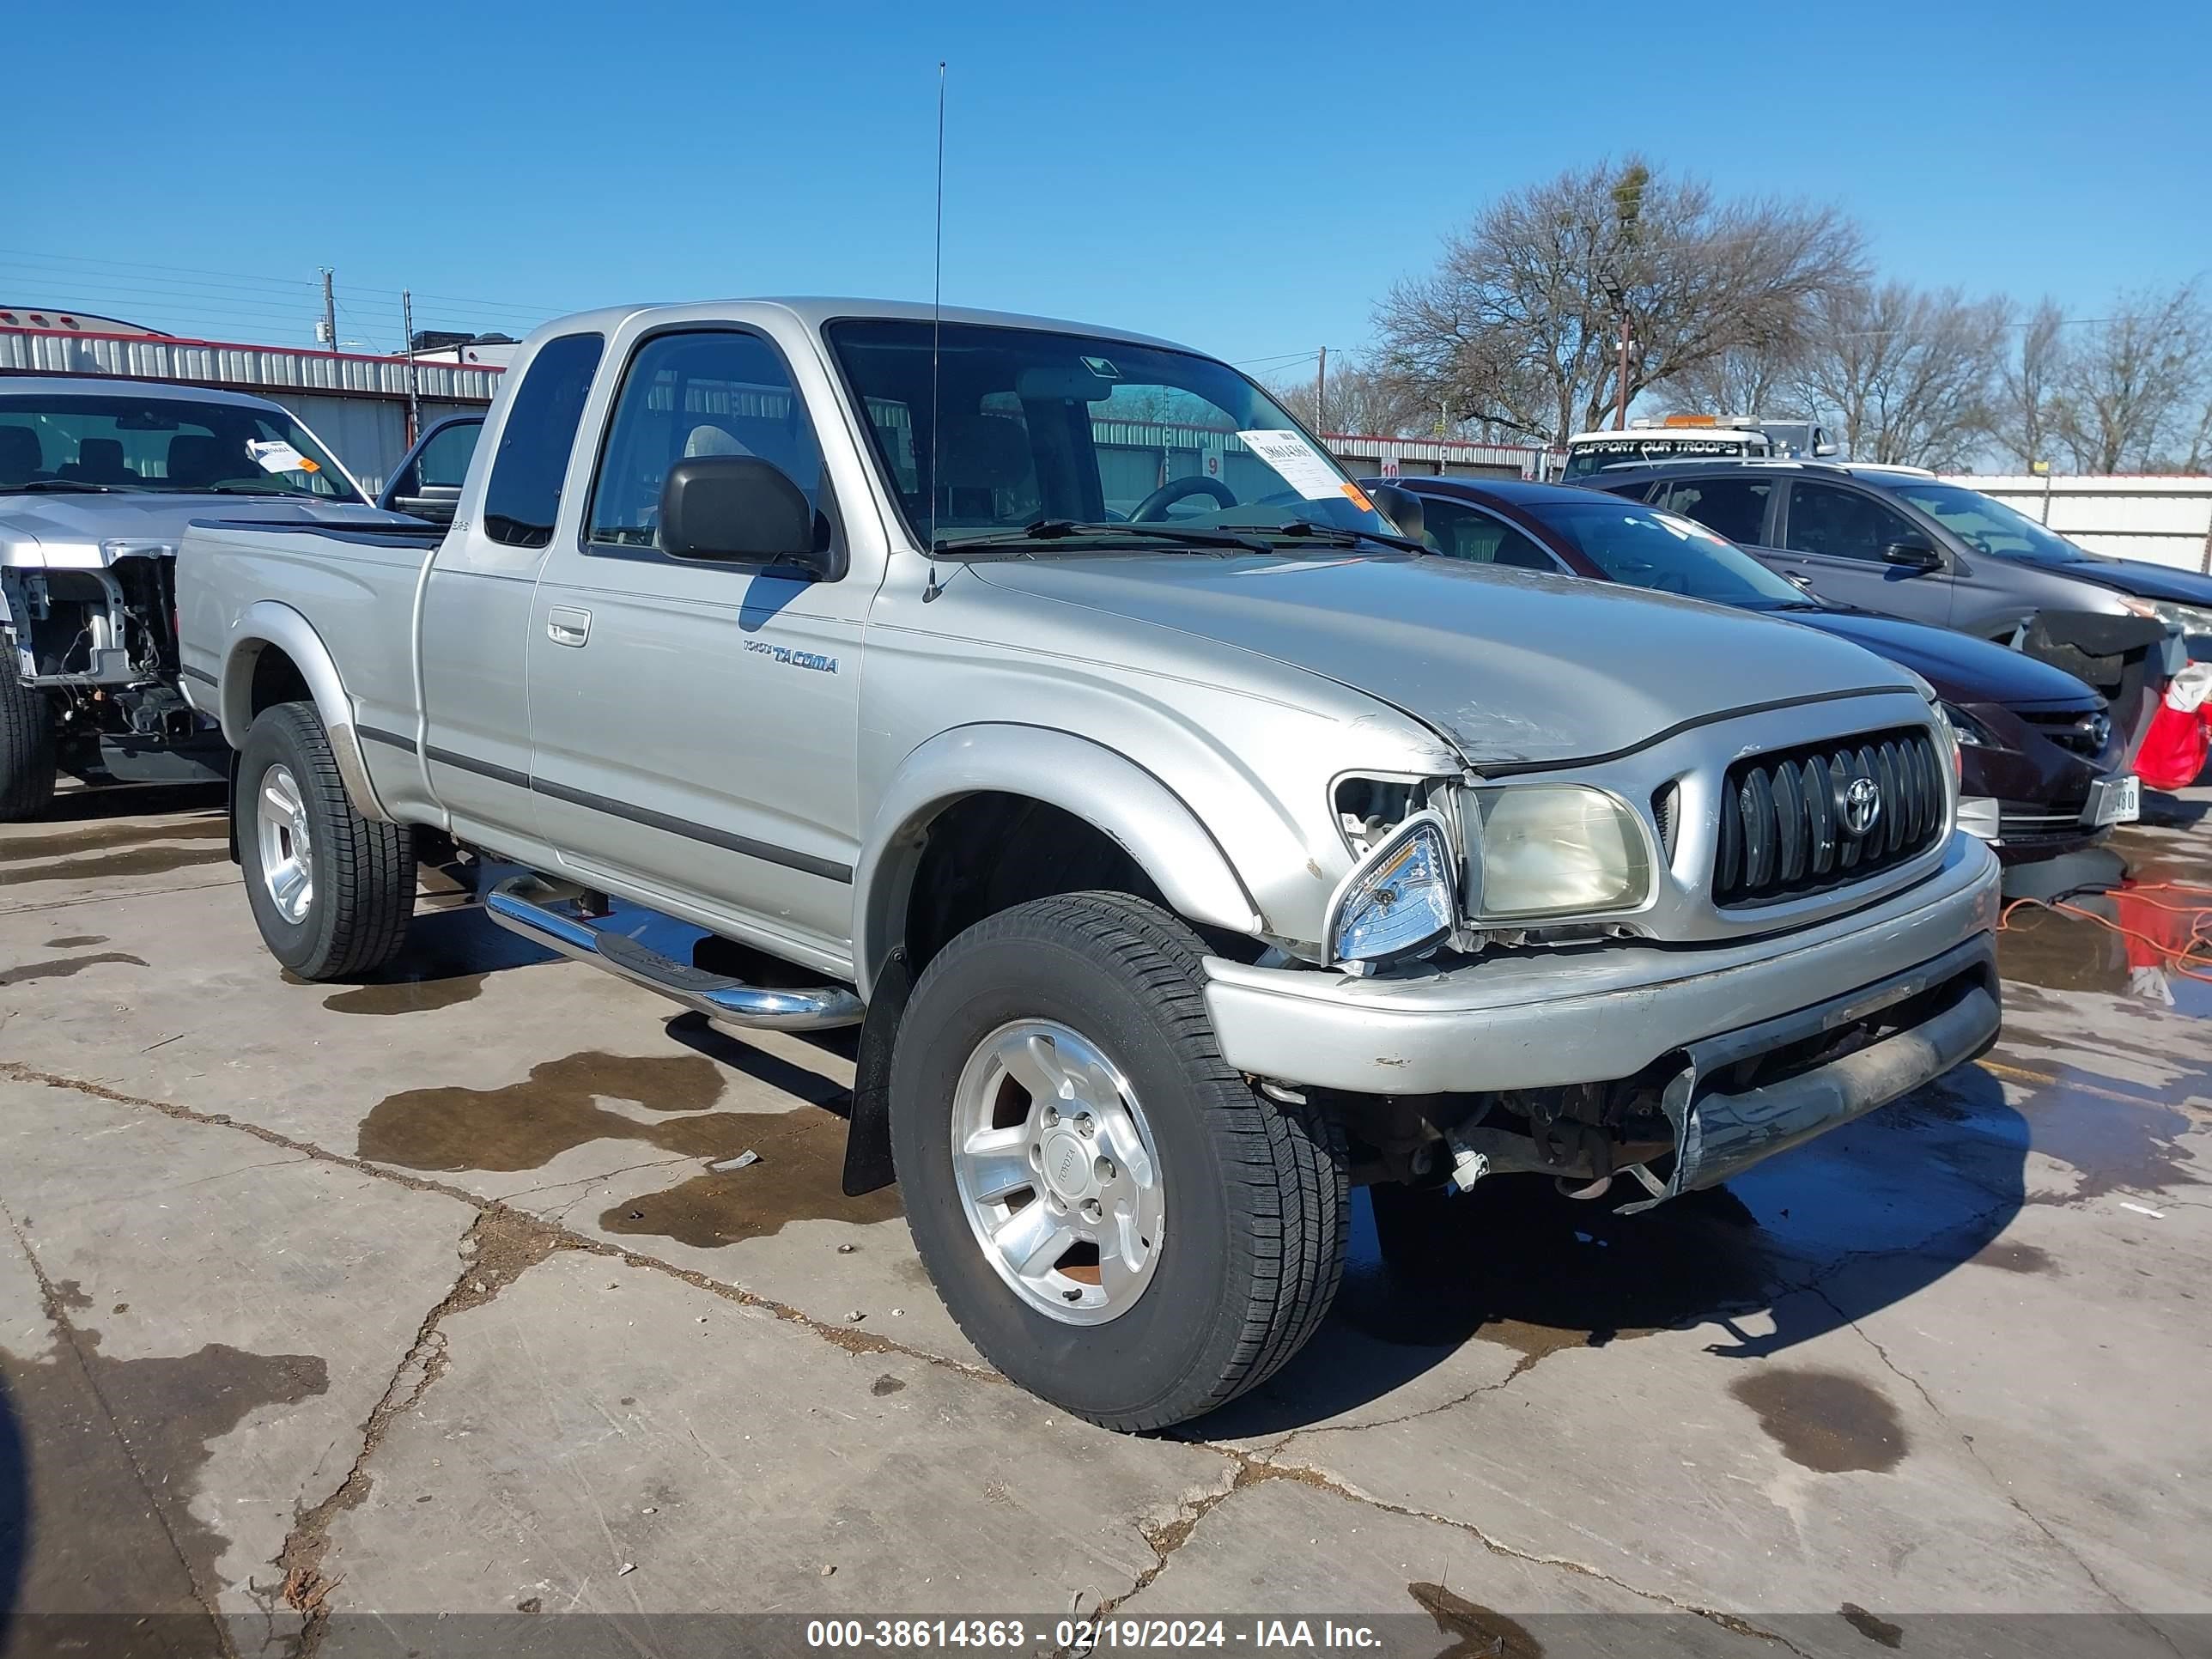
[57, 1312]
[1250, 1470]
[1996, 1482]
[500, 1248]
[113, 898]
[1521, 1366]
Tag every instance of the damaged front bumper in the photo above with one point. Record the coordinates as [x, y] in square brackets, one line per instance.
[1907, 988]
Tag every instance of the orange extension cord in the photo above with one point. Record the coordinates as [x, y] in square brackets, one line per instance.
[2187, 961]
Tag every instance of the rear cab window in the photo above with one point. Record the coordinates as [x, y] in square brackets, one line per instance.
[522, 496]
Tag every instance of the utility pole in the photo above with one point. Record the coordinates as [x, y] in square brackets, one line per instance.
[1620, 392]
[330, 328]
[407, 345]
[1320, 394]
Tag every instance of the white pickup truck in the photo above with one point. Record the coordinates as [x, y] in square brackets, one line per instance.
[1188, 845]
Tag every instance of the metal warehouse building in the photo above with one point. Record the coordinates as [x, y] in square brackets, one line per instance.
[356, 404]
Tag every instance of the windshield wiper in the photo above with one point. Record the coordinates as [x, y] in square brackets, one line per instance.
[1046, 531]
[1331, 535]
[58, 486]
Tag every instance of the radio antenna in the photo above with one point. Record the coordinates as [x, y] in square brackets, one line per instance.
[936, 337]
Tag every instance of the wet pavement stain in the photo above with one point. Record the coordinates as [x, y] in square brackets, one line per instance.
[2013, 1258]
[1825, 1421]
[74, 1514]
[63, 967]
[408, 996]
[799, 1178]
[142, 861]
[521, 1126]
[2055, 952]
[76, 941]
[1874, 1629]
[449, 957]
[1478, 1633]
[885, 1384]
[2112, 1144]
[74, 843]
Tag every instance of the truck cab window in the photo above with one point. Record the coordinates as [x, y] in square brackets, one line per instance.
[1733, 507]
[522, 496]
[690, 394]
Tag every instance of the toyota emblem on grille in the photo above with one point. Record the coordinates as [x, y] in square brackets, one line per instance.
[1862, 805]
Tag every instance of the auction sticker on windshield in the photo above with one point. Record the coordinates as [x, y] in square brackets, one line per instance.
[1303, 467]
[275, 455]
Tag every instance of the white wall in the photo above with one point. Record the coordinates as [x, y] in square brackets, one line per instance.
[2159, 520]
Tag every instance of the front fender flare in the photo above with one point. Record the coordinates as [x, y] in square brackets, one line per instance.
[265, 623]
[1102, 787]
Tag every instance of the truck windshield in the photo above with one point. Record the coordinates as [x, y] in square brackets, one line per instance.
[1001, 428]
[67, 442]
[1989, 526]
[1658, 550]
[1631, 448]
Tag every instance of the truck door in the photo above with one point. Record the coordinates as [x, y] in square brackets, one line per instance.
[1840, 540]
[695, 724]
[474, 626]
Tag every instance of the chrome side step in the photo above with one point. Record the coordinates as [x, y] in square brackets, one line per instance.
[616, 941]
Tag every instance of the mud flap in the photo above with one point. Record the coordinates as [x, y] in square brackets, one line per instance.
[1719, 1133]
[868, 1130]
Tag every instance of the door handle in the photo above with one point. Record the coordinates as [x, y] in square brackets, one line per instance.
[564, 626]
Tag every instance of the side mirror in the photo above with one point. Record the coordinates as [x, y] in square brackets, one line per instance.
[1403, 508]
[1914, 555]
[437, 503]
[1823, 451]
[739, 508]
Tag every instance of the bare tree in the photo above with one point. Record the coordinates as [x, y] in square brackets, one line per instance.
[2024, 408]
[1518, 327]
[2134, 380]
[1744, 379]
[1906, 376]
[1359, 397]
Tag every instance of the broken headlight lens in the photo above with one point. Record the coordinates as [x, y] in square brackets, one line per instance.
[1557, 849]
[1399, 900]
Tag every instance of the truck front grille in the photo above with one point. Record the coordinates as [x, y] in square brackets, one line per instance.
[1785, 816]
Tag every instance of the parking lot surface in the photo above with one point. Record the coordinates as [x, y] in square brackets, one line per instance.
[410, 1316]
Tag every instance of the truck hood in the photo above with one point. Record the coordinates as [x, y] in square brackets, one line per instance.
[31, 521]
[1960, 667]
[1509, 666]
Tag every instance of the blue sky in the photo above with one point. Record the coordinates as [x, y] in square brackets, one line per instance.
[1248, 179]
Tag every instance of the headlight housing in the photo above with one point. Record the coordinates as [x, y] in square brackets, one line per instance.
[1969, 733]
[2189, 619]
[1399, 901]
[1558, 849]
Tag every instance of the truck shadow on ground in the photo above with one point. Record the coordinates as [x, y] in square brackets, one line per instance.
[128, 800]
[1816, 1239]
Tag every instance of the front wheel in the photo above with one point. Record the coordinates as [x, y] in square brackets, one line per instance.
[332, 892]
[1112, 1214]
[27, 743]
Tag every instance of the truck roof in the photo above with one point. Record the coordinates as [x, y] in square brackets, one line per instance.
[814, 310]
[104, 385]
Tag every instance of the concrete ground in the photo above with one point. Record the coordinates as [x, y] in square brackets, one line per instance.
[408, 1318]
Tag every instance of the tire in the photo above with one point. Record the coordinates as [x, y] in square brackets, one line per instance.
[1250, 1199]
[26, 744]
[360, 889]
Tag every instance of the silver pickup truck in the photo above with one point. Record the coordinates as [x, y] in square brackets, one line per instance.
[1188, 846]
[98, 479]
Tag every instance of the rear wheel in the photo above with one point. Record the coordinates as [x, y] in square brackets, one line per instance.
[1113, 1215]
[26, 744]
[332, 892]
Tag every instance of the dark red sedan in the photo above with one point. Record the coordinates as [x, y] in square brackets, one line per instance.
[2042, 770]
